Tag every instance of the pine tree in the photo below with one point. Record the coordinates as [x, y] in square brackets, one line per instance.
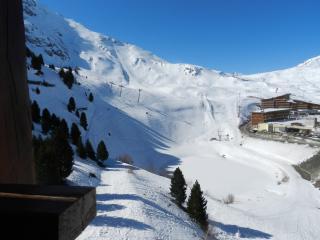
[28, 52]
[81, 151]
[178, 187]
[63, 129]
[61, 73]
[89, 149]
[90, 98]
[46, 121]
[68, 78]
[55, 121]
[37, 91]
[52, 66]
[83, 121]
[35, 112]
[47, 164]
[63, 151]
[197, 206]
[71, 105]
[37, 62]
[41, 60]
[75, 134]
[102, 152]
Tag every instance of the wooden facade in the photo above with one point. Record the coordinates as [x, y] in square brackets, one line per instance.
[284, 101]
[276, 102]
[261, 117]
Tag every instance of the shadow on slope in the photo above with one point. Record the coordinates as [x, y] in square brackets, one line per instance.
[126, 135]
[118, 222]
[243, 232]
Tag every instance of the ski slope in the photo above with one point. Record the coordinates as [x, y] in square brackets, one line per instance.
[133, 204]
[182, 109]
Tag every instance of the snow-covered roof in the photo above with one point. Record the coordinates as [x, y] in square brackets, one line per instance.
[271, 110]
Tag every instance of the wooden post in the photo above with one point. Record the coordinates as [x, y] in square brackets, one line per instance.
[16, 162]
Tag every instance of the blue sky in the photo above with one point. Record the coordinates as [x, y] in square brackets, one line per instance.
[245, 36]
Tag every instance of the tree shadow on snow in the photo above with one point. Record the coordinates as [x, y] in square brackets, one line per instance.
[133, 197]
[118, 222]
[109, 207]
[242, 231]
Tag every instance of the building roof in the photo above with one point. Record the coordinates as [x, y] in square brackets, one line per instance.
[267, 110]
[281, 96]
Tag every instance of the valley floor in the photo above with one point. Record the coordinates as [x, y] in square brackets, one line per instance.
[272, 201]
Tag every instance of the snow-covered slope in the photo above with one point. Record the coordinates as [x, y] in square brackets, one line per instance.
[181, 108]
[133, 204]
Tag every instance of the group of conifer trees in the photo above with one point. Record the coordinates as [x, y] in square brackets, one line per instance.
[36, 61]
[196, 204]
[67, 77]
[53, 153]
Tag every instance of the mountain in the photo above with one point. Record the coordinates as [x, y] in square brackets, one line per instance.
[181, 108]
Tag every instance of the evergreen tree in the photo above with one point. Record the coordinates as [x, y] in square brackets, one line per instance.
[83, 121]
[178, 187]
[75, 134]
[63, 151]
[55, 121]
[89, 149]
[61, 73]
[68, 78]
[46, 162]
[71, 105]
[29, 53]
[40, 59]
[52, 66]
[102, 152]
[197, 206]
[37, 62]
[37, 91]
[81, 150]
[46, 121]
[63, 129]
[77, 113]
[90, 98]
[35, 112]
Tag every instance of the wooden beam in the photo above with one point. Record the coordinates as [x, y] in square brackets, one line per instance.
[16, 163]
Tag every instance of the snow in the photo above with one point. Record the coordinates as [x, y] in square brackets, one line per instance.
[181, 108]
[272, 110]
[133, 204]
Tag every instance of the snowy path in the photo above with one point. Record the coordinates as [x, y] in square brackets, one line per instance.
[134, 204]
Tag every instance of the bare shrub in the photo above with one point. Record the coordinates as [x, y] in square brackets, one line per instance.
[126, 158]
[285, 179]
[229, 199]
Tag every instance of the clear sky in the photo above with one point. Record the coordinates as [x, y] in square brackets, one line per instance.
[245, 36]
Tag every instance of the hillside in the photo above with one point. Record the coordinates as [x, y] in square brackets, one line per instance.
[182, 107]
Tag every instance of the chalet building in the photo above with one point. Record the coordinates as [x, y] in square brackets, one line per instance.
[284, 101]
[267, 115]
